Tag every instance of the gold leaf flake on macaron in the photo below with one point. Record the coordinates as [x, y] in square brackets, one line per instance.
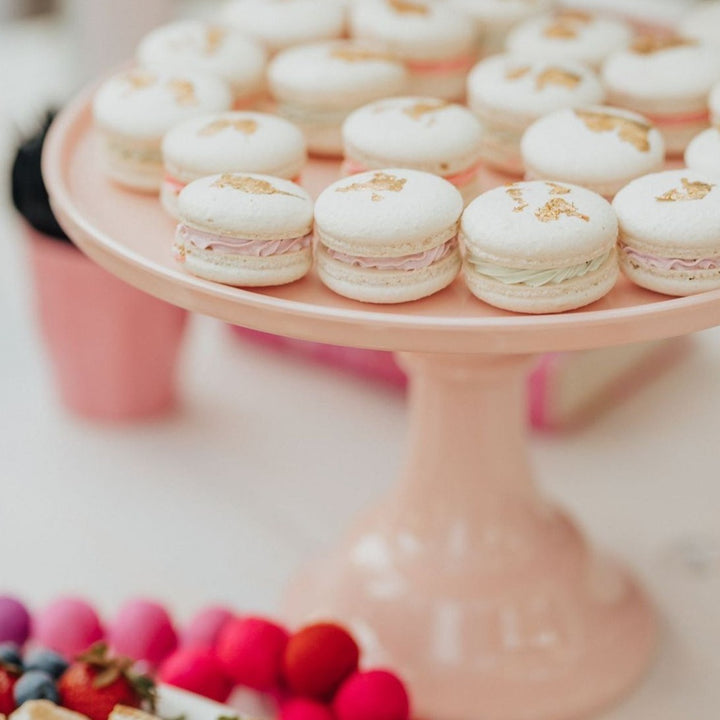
[380, 182]
[355, 54]
[246, 127]
[689, 191]
[214, 38]
[249, 185]
[140, 79]
[421, 109]
[557, 76]
[183, 91]
[567, 24]
[556, 208]
[651, 44]
[516, 194]
[635, 132]
[557, 188]
[409, 7]
[516, 73]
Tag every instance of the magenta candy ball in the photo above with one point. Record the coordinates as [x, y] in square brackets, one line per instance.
[143, 630]
[204, 629]
[14, 621]
[68, 626]
[303, 709]
[197, 670]
[372, 695]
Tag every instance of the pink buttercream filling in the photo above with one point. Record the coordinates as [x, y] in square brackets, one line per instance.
[700, 116]
[416, 261]
[465, 177]
[661, 263]
[185, 235]
[464, 63]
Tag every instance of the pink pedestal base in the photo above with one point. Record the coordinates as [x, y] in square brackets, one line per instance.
[486, 597]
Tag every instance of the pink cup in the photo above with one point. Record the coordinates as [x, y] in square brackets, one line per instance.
[114, 349]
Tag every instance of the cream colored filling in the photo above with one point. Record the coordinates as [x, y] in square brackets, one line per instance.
[537, 278]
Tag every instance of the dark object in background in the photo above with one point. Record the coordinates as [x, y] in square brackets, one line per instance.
[28, 188]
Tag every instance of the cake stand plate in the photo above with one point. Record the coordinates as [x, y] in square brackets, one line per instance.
[486, 596]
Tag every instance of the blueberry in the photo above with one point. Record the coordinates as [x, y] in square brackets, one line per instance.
[49, 661]
[35, 685]
[10, 655]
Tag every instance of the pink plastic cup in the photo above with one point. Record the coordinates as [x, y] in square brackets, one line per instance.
[114, 349]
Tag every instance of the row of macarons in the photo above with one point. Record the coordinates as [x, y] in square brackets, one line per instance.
[399, 235]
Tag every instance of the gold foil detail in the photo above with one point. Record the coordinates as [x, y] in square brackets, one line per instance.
[516, 194]
[352, 54]
[420, 109]
[635, 132]
[651, 44]
[554, 209]
[409, 7]
[380, 182]
[139, 80]
[566, 25]
[184, 91]
[690, 191]
[557, 76]
[557, 189]
[214, 38]
[247, 127]
[517, 72]
[249, 185]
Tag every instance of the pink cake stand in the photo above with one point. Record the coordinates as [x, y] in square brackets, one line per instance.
[487, 596]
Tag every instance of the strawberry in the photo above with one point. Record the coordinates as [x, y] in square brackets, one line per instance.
[95, 683]
[8, 678]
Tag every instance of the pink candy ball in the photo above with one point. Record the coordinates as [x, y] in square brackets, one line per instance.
[205, 628]
[143, 630]
[197, 670]
[14, 621]
[68, 626]
[303, 709]
[373, 695]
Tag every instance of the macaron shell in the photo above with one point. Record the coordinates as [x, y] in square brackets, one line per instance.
[386, 286]
[414, 29]
[502, 12]
[145, 104]
[337, 74]
[568, 295]
[703, 22]
[387, 213]
[714, 102]
[539, 225]
[551, 38]
[513, 89]
[417, 132]
[121, 164]
[191, 45]
[597, 147]
[247, 205]
[678, 283]
[684, 228]
[703, 154]
[234, 142]
[282, 23]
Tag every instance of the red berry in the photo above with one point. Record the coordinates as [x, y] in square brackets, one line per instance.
[374, 695]
[78, 692]
[251, 651]
[304, 709]
[7, 683]
[318, 658]
[198, 670]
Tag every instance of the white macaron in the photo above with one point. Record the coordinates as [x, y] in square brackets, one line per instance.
[245, 142]
[703, 22]
[245, 230]
[569, 35]
[540, 247]
[703, 153]
[134, 110]
[668, 80]
[508, 94]
[194, 45]
[317, 86]
[438, 43]
[600, 148]
[418, 133]
[280, 24]
[388, 236]
[495, 18]
[670, 232]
